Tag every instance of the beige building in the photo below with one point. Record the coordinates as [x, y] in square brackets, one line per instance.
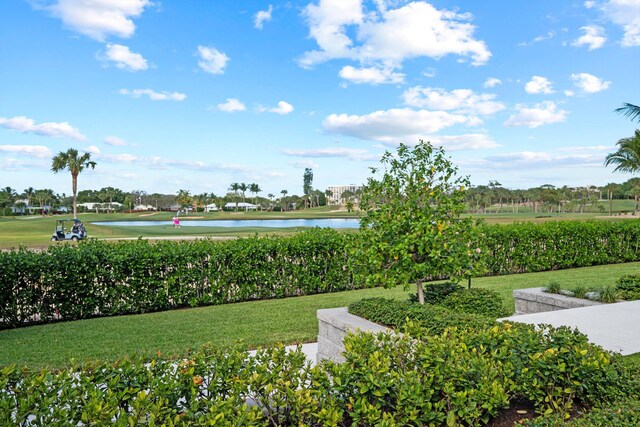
[337, 190]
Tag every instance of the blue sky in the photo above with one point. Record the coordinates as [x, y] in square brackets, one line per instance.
[196, 94]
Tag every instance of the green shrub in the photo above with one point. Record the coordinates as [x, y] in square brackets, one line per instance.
[580, 291]
[463, 376]
[432, 318]
[553, 287]
[98, 278]
[622, 413]
[484, 302]
[608, 294]
[629, 287]
[435, 293]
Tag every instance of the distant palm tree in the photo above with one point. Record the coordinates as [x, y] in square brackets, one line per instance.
[243, 187]
[629, 110]
[284, 205]
[29, 193]
[235, 187]
[627, 158]
[75, 164]
[271, 196]
[255, 189]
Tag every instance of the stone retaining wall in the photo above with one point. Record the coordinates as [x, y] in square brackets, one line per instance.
[333, 325]
[535, 300]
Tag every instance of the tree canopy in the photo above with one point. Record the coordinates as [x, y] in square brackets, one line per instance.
[413, 229]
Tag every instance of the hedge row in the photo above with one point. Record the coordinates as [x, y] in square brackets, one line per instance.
[460, 377]
[528, 247]
[97, 278]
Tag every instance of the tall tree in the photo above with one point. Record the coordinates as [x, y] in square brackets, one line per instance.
[307, 183]
[184, 198]
[29, 193]
[284, 203]
[235, 187]
[243, 188]
[74, 163]
[7, 198]
[255, 189]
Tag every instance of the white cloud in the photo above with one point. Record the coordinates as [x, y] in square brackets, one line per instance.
[115, 141]
[124, 58]
[302, 164]
[593, 37]
[282, 108]
[538, 84]
[231, 106]
[470, 141]
[92, 149]
[569, 93]
[262, 16]
[350, 153]
[37, 151]
[53, 129]
[541, 114]
[385, 37]
[459, 100]
[392, 125]
[626, 14]
[212, 60]
[99, 18]
[589, 83]
[371, 75]
[532, 159]
[153, 95]
[589, 4]
[492, 82]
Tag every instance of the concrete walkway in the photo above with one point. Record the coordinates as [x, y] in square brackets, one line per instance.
[615, 327]
[309, 349]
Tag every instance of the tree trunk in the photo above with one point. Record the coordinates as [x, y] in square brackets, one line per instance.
[420, 293]
[74, 187]
[635, 208]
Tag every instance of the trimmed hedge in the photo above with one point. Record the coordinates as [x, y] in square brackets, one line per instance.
[96, 278]
[432, 318]
[528, 247]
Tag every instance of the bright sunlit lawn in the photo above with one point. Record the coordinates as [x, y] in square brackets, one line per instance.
[258, 323]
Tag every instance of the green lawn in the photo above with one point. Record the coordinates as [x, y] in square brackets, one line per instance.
[35, 231]
[258, 323]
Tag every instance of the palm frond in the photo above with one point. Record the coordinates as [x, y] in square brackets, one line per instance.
[629, 110]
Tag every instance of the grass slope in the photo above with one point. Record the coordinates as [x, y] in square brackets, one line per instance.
[257, 323]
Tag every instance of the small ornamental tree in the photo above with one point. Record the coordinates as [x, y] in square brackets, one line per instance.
[413, 230]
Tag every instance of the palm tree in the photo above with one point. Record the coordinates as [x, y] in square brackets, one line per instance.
[270, 196]
[7, 197]
[255, 189]
[627, 158]
[243, 187]
[75, 164]
[629, 110]
[284, 193]
[29, 193]
[235, 187]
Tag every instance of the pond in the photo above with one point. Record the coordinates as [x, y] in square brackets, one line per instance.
[239, 223]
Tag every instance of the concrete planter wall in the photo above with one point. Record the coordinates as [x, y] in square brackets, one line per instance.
[333, 325]
[535, 300]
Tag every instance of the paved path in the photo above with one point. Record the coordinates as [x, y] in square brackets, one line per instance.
[615, 327]
[309, 349]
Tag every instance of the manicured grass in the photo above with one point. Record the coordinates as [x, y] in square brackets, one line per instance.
[35, 231]
[257, 323]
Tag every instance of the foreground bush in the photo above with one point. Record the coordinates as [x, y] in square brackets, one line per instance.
[460, 377]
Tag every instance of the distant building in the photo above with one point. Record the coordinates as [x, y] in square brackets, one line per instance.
[337, 190]
[211, 207]
[144, 208]
[242, 206]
